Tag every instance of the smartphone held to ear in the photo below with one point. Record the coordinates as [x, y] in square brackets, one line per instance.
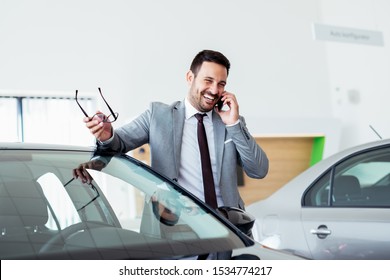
[219, 104]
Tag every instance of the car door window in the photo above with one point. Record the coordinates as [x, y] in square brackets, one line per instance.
[318, 194]
[362, 180]
[118, 209]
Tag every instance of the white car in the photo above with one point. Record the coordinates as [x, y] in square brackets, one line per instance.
[65, 202]
[336, 209]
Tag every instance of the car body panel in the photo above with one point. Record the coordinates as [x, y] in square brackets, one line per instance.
[353, 233]
[331, 231]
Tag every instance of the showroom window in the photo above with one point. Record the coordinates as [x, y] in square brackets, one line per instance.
[44, 119]
[360, 181]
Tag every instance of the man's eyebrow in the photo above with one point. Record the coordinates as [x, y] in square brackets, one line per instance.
[211, 78]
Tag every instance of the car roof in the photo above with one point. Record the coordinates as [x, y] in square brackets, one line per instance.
[304, 179]
[43, 146]
[352, 150]
[361, 147]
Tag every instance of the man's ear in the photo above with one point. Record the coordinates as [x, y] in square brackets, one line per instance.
[190, 77]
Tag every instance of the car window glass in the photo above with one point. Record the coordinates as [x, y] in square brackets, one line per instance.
[168, 212]
[362, 180]
[125, 211]
[51, 187]
[318, 194]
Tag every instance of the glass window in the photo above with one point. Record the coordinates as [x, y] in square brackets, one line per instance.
[55, 120]
[59, 201]
[318, 194]
[362, 180]
[125, 210]
[9, 117]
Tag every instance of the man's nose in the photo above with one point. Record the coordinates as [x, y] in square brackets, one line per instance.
[214, 88]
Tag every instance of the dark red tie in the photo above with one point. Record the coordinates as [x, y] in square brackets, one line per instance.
[207, 172]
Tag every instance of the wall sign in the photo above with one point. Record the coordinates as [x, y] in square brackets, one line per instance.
[347, 35]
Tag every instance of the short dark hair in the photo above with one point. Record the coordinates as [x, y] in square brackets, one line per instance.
[210, 56]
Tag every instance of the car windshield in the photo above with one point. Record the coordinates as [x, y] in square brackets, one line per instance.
[118, 209]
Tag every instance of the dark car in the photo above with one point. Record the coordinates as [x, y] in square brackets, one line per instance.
[65, 202]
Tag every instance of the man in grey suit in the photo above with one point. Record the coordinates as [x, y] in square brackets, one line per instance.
[171, 132]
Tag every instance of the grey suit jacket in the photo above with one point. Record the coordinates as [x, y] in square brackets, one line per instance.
[162, 127]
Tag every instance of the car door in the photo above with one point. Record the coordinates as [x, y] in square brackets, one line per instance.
[346, 212]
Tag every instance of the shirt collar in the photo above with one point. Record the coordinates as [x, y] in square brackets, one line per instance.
[191, 111]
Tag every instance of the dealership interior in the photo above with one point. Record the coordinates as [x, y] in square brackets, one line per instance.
[311, 78]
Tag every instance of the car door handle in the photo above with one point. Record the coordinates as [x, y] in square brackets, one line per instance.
[322, 232]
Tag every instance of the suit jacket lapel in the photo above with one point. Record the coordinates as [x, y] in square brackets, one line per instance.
[219, 137]
[178, 118]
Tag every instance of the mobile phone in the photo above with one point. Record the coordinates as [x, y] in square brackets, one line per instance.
[220, 104]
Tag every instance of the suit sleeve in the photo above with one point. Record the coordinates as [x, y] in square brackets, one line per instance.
[131, 135]
[252, 157]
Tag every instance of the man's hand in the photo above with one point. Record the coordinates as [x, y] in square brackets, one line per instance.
[101, 130]
[229, 116]
[81, 171]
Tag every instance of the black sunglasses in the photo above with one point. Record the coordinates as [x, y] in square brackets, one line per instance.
[108, 119]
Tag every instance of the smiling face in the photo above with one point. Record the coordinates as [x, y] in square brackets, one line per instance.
[207, 86]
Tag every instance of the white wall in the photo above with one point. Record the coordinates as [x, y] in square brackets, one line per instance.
[139, 51]
[359, 74]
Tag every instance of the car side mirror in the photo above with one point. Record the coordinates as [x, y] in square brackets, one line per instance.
[238, 217]
[245, 257]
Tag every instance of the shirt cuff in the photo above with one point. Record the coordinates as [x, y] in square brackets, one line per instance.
[106, 141]
[228, 125]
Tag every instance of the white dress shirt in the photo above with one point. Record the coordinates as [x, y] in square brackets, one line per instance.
[190, 170]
